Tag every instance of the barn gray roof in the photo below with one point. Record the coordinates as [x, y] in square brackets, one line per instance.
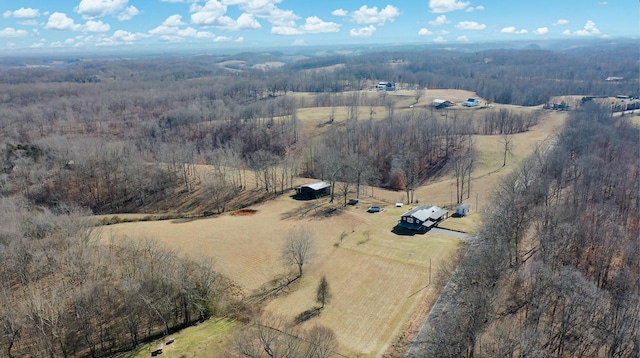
[424, 213]
[316, 186]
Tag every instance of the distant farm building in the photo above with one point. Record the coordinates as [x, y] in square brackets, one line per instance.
[561, 106]
[386, 86]
[441, 103]
[313, 190]
[422, 218]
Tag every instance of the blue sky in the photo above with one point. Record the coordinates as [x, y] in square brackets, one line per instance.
[91, 24]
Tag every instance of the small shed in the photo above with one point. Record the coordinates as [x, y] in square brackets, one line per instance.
[441, 103]
[422, 218]
[463, 209]
[313, 190]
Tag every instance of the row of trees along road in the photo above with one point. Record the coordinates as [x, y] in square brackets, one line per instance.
[555, 271]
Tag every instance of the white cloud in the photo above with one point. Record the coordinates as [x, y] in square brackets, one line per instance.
[11, 32]
[285, 30]
[191, 32]
[589, 29]
[477, 8]
[223, 39]
[439, 39]
[127, 37]
[22, 13]
[90, 9]
[243, 22]
[424, 32]
[440, 20]
[173, 20]
[129, 13]
[163, 30]
[312, 25]
[213, 14]
[266, 9]
[443, 32]
[31, 22]
[371, 15]
[463, 39]
[60, 21]
[173, 33]
[512, 30]
[363, 32]
[561, 22]
[208, 14]
[339, 12]
[95, 26]
[299, 42]
[602, 3]
[440, 6]
[119, 37]
[541, 31]
[470, 25]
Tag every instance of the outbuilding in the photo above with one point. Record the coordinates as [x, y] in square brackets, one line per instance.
[422, 218]
[386, 86]
[313, 190]
[463, 209]
[441, 103]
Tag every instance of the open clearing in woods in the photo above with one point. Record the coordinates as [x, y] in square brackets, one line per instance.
[379, 280]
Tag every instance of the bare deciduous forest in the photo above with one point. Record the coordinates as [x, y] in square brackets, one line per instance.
[554, 273]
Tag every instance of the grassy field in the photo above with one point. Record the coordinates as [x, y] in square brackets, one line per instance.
[369, 259]
[208, 339]
[380, 281]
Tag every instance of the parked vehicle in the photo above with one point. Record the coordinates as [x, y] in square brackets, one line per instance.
[471, 102]
[374, 209]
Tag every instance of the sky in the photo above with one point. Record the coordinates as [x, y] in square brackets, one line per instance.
[134, 24]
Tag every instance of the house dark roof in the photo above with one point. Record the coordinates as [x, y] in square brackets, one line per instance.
[425, 217]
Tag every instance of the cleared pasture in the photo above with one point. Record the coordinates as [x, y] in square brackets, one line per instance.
[372, 272]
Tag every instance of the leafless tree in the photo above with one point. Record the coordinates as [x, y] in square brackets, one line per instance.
[418, 93]
[506, 140]
[298, 249]
[322, 342]
[462, 164]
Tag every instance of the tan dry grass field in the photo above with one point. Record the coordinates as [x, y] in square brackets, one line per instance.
[373, 273]
[379, 280]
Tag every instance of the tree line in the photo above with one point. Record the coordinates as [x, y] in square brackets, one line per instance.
[66, 294]
[554, 272]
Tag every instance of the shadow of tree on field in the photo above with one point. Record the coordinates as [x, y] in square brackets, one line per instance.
[307, 315]
[313, 210]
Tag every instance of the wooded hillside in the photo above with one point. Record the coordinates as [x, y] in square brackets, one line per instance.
[555, 270]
